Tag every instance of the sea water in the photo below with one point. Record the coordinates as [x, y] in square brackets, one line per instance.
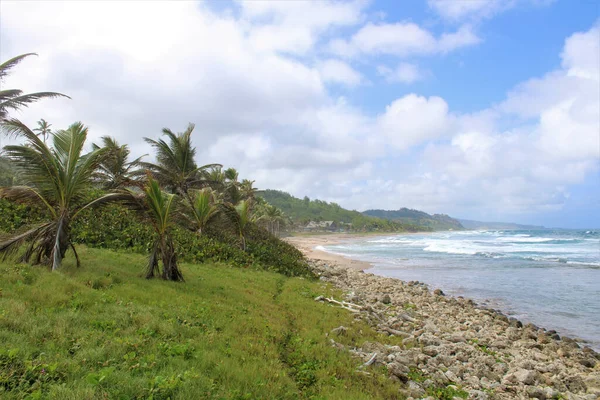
[548, 277]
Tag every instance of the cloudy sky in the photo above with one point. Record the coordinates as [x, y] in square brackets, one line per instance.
[481, 109]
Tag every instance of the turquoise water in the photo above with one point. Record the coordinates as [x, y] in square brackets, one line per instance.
[548, 277]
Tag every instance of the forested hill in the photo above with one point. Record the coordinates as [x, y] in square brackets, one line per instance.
[470, 224]
[302, 211]
[436, 222]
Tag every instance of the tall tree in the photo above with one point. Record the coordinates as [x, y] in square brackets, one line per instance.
[116, 171]
[55, 178]
[175, 167]
[14, 99]
[43, 129]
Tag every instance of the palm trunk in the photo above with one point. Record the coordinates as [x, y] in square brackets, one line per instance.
[61, 242]
[169, 258]
[153, 261]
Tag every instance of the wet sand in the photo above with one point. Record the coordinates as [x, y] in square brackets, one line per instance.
[307, 243]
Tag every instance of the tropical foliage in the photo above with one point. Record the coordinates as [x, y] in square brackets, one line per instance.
[14, 99]
[43, 129]
[204, 209]
[159, 207]
[116, 171]
[175, 168]
[56, 179]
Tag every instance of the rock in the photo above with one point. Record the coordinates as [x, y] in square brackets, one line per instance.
[386, 299]
[526, 376]
[588, 362]
[457, 338]
[415, 389]
[575, 384]
[592, 382]
[535, 392]
[515, 323]
[438, 292]
[399, 370]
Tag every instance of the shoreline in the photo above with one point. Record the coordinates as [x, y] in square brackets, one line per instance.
[454, 340]
[307, 245]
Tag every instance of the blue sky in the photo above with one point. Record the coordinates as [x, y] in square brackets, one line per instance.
[481, 109]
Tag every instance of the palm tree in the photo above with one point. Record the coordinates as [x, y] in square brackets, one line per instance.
[116, 171]
[274, 217]
[175, 168]
[14, 99]
[247, 190]
[43, 129]
[159, 207]
[241, 215]
[205, 207]
[57, 179]
[232, 186]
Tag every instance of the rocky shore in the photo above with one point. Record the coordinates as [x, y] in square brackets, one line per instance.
[453, 348]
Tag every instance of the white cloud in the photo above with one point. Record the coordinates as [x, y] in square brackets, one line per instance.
[413, 119]
[295, 26]
[455, 10]
[459, 10]
[402, 39]
[337, 71]
[580, 55]
[403, 73]
[272, 116]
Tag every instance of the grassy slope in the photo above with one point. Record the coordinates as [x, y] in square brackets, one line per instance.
[227, 333]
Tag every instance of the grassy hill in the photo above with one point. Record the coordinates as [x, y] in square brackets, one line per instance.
[304, 210]
[102, 332]
[436, 222]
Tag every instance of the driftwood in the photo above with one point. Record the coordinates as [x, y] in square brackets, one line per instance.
[371, 360]
[394, 332]
[355, 308]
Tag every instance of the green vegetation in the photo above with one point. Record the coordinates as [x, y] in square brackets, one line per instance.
[228, 333]
[68, 197]
[305, 210]
[436, 222]
[14, 99]
[58, 178]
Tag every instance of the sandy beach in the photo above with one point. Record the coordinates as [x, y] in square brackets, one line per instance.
[307, 245]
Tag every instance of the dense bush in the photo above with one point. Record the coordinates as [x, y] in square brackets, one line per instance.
[14, 216]
[116, 227]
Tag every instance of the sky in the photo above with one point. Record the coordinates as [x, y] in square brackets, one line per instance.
[480, 109]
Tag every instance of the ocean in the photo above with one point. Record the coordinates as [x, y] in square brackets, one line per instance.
[548, 277]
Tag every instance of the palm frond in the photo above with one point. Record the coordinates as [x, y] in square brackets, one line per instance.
[7, 65]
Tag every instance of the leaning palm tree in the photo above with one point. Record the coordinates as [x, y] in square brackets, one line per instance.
[14, 99]
[115, 171]
[55, 178]
[205, 207]
[43, 129]
[175, 168]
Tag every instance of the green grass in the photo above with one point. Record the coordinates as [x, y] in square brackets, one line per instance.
[104, 332]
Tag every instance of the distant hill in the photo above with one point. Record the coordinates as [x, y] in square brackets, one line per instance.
[437, 222]
[470, 224]
[302, 211]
